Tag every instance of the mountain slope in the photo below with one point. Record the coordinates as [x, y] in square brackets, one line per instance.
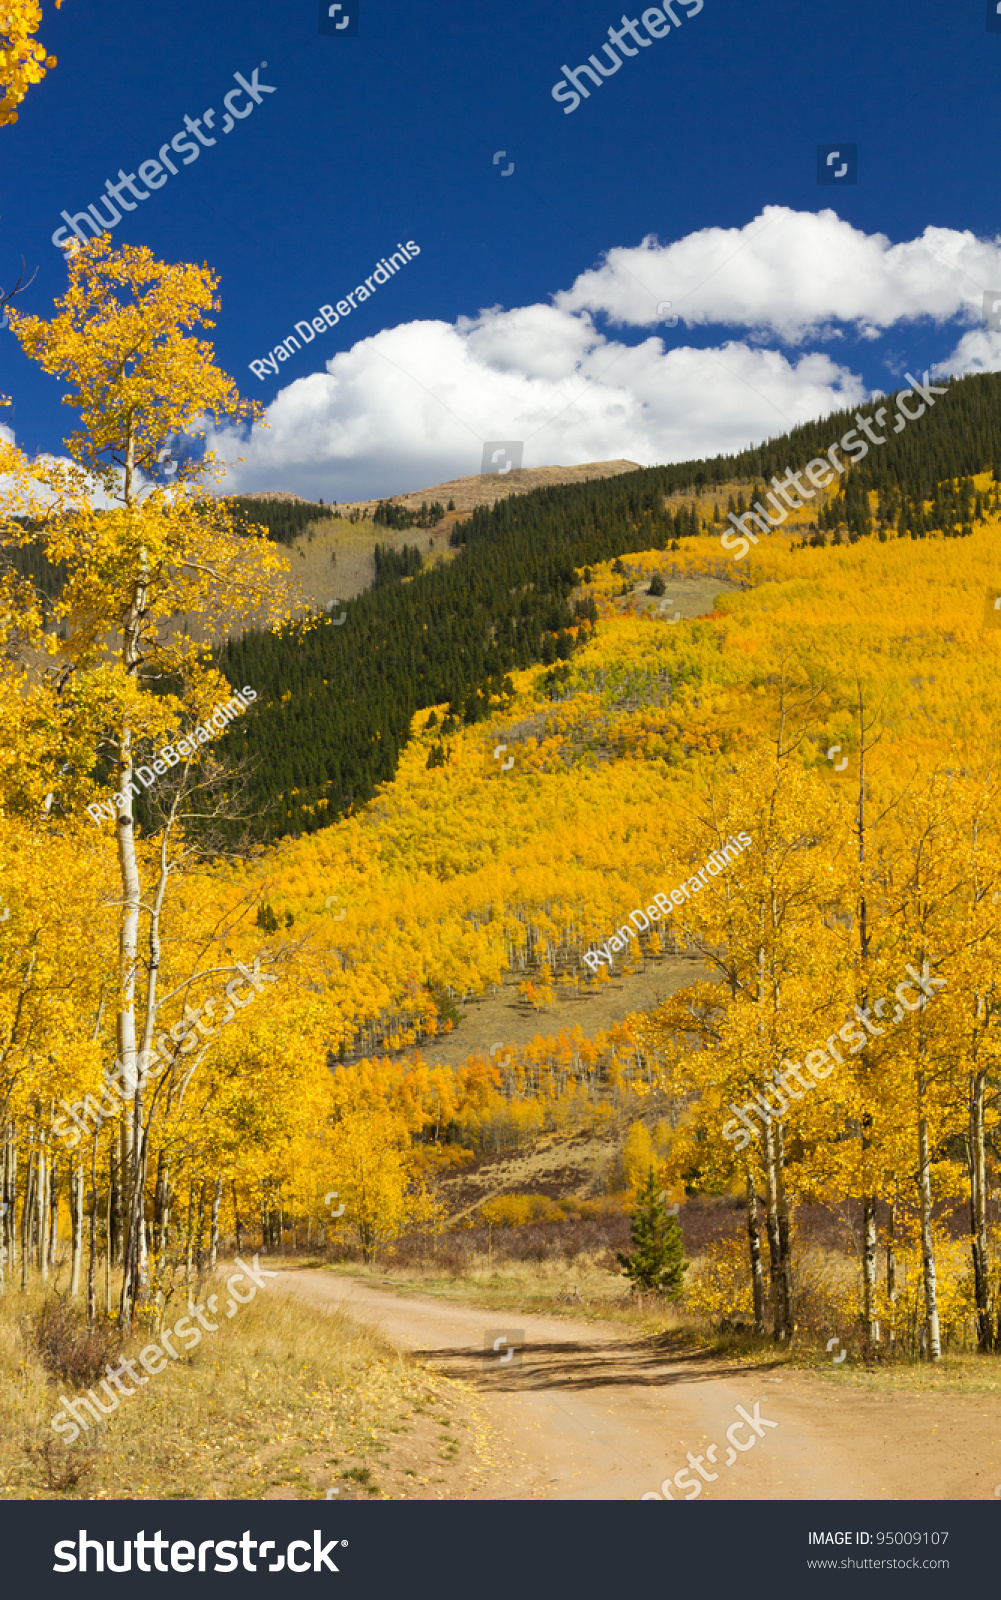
[336, 704]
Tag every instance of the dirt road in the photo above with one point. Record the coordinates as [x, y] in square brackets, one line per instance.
[589, 1411]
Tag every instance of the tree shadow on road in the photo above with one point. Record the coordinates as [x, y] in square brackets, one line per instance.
[580, 1365]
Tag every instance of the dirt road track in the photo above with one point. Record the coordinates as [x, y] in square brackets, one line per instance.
[593, 1412]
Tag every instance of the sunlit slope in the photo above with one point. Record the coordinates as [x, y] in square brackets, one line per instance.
[455, 872]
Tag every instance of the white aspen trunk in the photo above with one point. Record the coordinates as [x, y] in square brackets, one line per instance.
[978, 1212]
[869, 1251]
[27, 1205]
[107, 1245]
[53, 1209]
[92, 1255]
[214, 1240]
[891, 1266]
[130, 1182]
[774, 1234]
[191, 1232]
[927, 1241]
[7, 1195]
[42, 1215]
[754, 1245]
[785, 1252]
[76, 1223]
[11, 1217]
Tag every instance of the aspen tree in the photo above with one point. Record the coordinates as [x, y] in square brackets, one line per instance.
[120, 340]
[23, 59]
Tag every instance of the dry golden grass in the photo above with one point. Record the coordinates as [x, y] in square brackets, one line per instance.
[284, 1402]
[581, 1289]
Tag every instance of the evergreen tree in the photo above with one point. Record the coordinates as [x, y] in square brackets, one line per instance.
[657, 1260]
[282, 520]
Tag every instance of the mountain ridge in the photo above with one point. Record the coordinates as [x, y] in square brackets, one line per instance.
[476, 489]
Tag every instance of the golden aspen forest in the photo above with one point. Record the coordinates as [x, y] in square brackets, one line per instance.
[451, 949]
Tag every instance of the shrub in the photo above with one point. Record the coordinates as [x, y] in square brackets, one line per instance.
[720, 1286]
[517, 1210]
[68, 1348]
[605, 1207]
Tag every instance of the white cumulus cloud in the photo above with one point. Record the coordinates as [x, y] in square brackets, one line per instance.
[413, 405]
[793, 274]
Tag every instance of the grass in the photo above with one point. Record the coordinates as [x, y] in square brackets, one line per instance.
[284, 1402]
[583, 1289]
[587, 1289]
[958, 1372]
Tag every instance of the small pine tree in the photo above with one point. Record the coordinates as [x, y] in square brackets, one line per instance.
[657, 1260]
[657, 585]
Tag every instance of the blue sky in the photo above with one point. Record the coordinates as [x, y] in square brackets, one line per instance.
[513, 322]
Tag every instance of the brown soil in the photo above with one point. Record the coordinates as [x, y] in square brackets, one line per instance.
[584, 1411]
